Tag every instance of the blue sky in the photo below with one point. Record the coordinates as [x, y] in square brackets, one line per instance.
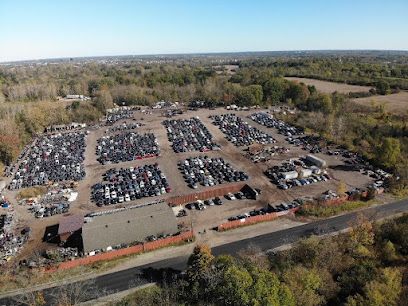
[45, 29]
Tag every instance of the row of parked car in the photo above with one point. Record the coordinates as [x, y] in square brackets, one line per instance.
[126, 146]
[124, 127]
[128, 184]
[269, 121]
[189, 135]
[55, 158]
[271, 208]
[239, 132]
[209, 171]
[201, 205]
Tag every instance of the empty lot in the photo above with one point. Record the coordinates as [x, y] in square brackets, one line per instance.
[395, 103]
[330, 87]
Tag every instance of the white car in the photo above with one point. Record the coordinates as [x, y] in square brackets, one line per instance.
[230, 196]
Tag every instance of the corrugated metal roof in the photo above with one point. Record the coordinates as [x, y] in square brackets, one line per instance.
[70, 224]
[128, 226]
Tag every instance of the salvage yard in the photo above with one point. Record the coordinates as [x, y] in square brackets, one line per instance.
[224, 162]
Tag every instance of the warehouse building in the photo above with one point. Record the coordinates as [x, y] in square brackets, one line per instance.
[125, 226]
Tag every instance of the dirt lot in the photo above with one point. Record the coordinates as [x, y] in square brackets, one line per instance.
[167, 161]
[329, 87]
[395, 103]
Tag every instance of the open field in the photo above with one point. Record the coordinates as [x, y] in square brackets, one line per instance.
[395, 103]
[167, 161]
[329, 87]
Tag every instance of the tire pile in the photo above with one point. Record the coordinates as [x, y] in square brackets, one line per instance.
[188, 135]
[269, 121]
[126, 146]
[53, 158]
[208, 171]
[128, 184]
[239, 132]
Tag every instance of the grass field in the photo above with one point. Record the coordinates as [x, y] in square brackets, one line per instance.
[395, 103]
[329, 87]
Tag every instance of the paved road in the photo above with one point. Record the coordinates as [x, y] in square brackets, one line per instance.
[123, 280]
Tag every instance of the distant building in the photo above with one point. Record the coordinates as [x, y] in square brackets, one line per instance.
[77, 97]
[124, 226]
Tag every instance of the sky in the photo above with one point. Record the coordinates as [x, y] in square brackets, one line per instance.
[73, 28]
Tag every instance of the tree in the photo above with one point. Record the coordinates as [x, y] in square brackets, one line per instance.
[305, 285]
[274, 90]
[199, 270]
[382, 87]
[383, 290]
[389, 152]
[235, 287]
[297, 92]
[103, 101]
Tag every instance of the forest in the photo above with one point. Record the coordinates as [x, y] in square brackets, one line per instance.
[366, 266]
[29, 97]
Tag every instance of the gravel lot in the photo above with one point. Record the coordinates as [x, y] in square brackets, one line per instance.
[167, 162]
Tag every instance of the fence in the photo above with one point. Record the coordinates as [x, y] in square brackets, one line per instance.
[207, 194]
[137, 249]
[253, 220]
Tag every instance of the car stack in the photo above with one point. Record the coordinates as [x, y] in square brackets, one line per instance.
[126, 146]
[128, 184]
[239, 132]
[53, 158]
[188, 135]
[208, 171]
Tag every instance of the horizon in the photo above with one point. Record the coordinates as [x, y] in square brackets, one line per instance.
[201, 53]
[43, 30]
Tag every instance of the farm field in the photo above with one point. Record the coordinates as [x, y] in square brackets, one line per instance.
[395, 103]
[329, 87]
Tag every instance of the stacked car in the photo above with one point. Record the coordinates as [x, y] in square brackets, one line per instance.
[269, 121]
[208, 171]
[189, 135]
[126, 146]
[129, 184]
[239, 132]
[53, 158]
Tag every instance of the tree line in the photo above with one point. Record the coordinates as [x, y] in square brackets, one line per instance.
[364, 267]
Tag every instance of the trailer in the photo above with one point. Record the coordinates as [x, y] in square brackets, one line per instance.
[321, 163]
